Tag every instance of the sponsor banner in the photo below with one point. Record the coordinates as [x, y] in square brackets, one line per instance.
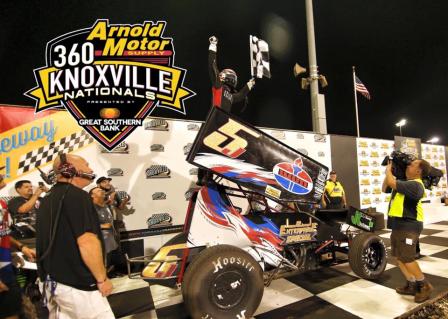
[35, 142]
[435, 155]
[371, 153]
[246, 155]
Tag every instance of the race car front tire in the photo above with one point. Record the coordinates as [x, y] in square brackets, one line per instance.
[223, 282]
[367, 256]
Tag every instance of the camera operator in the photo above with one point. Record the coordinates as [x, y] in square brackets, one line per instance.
[405, 218]
[23, 208]
[10, 295]
[70, 246]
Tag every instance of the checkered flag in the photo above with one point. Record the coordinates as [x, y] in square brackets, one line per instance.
[49, 152]
[259, 58]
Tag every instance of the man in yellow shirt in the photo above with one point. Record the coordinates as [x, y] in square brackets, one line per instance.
[334, 195]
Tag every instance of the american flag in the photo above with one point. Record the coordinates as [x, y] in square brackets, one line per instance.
[361, 88]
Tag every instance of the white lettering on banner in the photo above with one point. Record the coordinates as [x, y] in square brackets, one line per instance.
[21, 138]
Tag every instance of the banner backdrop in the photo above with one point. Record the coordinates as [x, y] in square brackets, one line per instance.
[151, 166]
[371, 153]
[435, 155]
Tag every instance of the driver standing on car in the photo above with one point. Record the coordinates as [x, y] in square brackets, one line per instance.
[405, 218]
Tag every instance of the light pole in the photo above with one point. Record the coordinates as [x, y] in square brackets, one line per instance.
[317, 102]
[401, 124]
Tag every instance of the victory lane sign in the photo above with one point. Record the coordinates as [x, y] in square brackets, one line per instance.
[110, 77]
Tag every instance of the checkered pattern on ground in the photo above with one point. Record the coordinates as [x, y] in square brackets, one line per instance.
[333, 292]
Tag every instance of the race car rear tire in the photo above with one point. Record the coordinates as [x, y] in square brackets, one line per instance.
[367, 256]
[223, 282]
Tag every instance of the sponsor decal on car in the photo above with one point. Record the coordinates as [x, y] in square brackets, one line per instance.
[292, 177]
[362, 220]
[299, 231]
[272, 191]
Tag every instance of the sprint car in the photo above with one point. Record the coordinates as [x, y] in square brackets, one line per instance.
[226, 254]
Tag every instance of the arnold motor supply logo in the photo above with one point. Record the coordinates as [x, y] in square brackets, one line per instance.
[110, 77]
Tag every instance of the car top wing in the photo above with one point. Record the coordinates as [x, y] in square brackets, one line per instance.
[245, 155]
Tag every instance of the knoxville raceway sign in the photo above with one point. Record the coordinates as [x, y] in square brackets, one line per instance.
[110, 77]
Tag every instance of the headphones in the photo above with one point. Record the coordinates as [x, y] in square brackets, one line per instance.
[67, 170]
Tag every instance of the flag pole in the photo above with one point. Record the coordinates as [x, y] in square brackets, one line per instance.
[356, 102]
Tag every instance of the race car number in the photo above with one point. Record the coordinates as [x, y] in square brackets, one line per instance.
[236, 145]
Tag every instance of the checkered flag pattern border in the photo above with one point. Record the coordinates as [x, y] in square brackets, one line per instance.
[259, 58]
[48, 152]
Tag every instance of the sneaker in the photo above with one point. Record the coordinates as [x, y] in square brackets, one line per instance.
[409, 289]
[423, 292]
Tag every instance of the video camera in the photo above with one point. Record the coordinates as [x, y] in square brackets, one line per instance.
[401, 160]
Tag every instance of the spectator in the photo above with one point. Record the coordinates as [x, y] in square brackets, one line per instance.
[70, 246]
[106, 223]
[10, 295]
[23, 208]
[334, 195]
[118, 199]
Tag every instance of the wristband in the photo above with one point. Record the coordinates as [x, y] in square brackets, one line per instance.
[101, 282]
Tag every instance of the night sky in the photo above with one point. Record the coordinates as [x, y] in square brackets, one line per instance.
[399, 49]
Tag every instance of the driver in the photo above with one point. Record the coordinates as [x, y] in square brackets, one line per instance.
[225, 94]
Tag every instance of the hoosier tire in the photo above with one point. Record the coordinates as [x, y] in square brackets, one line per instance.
[223, 282]
[367, 256]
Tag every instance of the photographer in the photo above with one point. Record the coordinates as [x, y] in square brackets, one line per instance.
[118, 199]
[23, 208]
[405, 218]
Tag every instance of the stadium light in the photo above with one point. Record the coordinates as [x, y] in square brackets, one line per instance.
[401, 124]
[433, 140]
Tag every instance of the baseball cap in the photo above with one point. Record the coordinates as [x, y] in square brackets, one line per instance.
[103, 178]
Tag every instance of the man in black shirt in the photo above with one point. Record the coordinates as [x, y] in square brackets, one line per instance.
[23, 208]
[69, 245]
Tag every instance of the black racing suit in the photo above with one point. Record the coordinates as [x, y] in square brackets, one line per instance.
[224, 96]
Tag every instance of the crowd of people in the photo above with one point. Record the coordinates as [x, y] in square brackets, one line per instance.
[72, 239]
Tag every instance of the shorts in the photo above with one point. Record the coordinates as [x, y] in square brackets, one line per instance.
[10, 301]
[404, 245]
